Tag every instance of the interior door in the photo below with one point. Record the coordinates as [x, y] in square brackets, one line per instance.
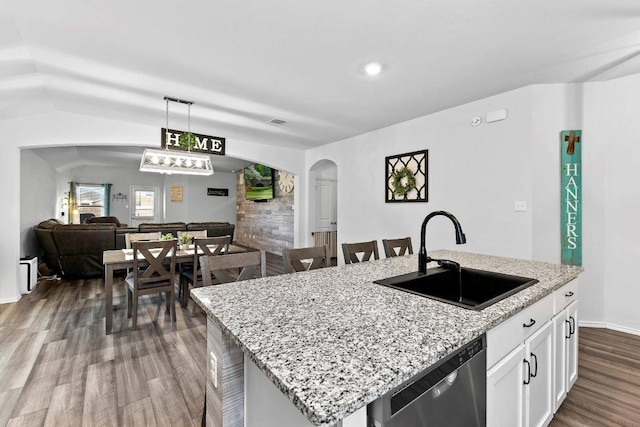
[326, 205]
[144, 205]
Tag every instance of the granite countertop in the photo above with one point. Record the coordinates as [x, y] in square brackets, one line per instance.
[332, 341]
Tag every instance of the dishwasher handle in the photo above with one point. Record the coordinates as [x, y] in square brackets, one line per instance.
[444, 385]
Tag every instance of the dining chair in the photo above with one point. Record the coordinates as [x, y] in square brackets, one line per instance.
[150, 275]
[196, 234]
[190, 273]
[397, 247]
[366, 249]
[137, 237]
[224, 267]
[305, 259]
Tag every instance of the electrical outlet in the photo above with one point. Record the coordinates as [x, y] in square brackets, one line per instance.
[520, 206]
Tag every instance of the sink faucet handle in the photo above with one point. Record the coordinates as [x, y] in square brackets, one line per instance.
[447, 263]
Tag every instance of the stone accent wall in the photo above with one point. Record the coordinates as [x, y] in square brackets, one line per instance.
[264, 225]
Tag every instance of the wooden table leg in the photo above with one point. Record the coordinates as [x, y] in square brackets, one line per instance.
[108, 297]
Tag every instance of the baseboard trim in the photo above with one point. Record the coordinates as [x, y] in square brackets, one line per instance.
[10, 300]
[611, 326]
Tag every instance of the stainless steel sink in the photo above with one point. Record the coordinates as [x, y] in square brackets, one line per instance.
[464, 287]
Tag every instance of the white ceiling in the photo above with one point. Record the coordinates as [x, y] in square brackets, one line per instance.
[244, 62]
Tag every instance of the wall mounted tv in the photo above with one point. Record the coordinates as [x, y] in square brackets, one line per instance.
[258, 182]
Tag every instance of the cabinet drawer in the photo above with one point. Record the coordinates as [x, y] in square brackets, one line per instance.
[507, 335]
[565, 295]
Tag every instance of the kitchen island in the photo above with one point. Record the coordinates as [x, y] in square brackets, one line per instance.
[332, 341]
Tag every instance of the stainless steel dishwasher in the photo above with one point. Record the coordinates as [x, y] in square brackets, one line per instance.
[452, 393]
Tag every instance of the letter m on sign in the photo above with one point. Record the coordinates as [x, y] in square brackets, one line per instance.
[571, 196]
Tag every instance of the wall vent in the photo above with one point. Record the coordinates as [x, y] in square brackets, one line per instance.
[277, 122]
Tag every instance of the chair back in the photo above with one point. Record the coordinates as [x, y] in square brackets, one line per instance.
[149, 262]
[397, 247]
[315, 257]
[220, 266]
[196, 234]
[136, 237]
[209, 246]
[366, 249]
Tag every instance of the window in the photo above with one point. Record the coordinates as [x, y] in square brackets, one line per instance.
[88, 200]
[144, 204]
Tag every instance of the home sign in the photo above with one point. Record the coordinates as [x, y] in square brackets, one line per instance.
[204, 143]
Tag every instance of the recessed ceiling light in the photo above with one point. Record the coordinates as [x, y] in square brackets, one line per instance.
[373, 68]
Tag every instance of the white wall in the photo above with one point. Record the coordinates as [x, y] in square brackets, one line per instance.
[476, 173]
[554, 108]
[40, 201]
[611, 136]
[196, 205]
[10, 219]
[120, 178]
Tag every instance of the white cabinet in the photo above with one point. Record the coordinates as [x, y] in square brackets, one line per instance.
[538, 381]
[565, 341]
[537, 346]
[520, 383]
[560, 330]
[505, 391]
[572, 345]
[519, 386]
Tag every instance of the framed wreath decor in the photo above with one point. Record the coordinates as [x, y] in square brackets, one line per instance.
[406, 177]
[402, 181]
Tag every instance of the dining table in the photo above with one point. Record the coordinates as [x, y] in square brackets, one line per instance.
[122, 259]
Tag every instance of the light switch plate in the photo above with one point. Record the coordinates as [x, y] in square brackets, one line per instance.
[520, 206]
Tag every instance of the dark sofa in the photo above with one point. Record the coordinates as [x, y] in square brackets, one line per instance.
[75, 250]
[80, 248]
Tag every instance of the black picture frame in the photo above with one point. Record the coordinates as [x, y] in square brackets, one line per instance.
[418, 163]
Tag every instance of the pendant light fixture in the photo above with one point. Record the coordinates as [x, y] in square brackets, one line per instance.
[176, 161]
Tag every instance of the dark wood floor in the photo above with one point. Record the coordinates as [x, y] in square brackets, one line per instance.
[58, 368]
[607, 392]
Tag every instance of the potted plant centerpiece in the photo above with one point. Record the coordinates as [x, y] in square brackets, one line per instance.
[185, 241]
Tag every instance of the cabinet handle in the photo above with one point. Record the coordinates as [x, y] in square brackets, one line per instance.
[530, 324]
[568, 294]
[569, 323]
[572, 325]
[535, 369]
[528, 380]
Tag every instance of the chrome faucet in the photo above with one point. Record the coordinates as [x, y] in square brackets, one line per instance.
[423, 259]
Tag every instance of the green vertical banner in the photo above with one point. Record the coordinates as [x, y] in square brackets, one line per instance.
[571, 196]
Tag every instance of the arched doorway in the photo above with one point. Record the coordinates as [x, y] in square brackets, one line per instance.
[323, 204]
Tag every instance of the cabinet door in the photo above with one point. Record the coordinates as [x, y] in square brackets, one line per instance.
[538, 406]
[560, 340]
[505, 390]
[572, 345]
